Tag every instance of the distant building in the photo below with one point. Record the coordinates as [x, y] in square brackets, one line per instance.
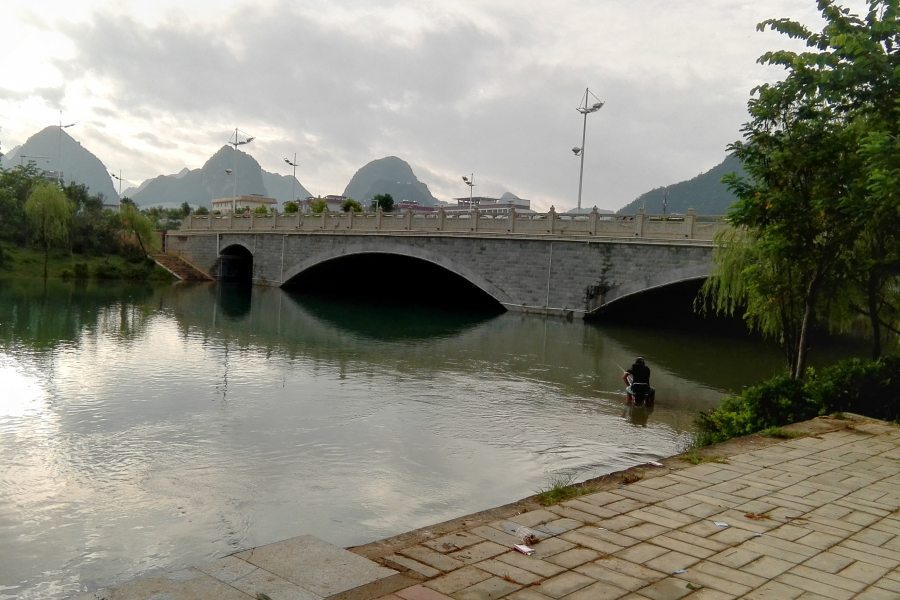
[253, 201]
[332, 201]
[491, 206]
[405, 206]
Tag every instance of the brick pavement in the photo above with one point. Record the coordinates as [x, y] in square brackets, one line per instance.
[810, 518]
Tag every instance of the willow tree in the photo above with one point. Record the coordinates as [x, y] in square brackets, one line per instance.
[139, 227]
[50, 212]
[781, 258]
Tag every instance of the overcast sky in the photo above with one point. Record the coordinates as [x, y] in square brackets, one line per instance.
[453, 88]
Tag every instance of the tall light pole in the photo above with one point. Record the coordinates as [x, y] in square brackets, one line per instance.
[234, 189]
[235, 144]
[293, 181]
[470, 181]
[119, 177]
[585, 110]
[59, 164]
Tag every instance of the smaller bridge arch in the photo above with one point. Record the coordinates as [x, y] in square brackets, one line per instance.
[235, 263]
[663, 279]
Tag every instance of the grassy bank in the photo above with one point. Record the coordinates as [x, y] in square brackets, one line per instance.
[29, 263]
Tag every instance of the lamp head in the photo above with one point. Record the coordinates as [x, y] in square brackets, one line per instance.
[466, 179]
[229, 171]
[577, 151]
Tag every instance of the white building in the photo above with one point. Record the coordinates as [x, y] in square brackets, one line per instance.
[253, 201]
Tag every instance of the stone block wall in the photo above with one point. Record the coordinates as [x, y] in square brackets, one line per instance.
[570, 277]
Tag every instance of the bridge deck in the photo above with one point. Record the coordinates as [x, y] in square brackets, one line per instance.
[641, 226]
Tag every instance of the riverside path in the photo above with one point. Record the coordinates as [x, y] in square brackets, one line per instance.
[539, 263]
[810, 518]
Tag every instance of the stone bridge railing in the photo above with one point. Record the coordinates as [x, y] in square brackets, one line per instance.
[674, 227]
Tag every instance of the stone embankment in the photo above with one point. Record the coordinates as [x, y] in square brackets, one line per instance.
[808, 518]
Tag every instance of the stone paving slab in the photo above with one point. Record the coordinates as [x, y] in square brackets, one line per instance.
[807, 518]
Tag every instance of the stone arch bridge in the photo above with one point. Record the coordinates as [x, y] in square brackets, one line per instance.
[542, 263]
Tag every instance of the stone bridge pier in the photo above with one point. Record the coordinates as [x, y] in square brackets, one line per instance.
[547, 274]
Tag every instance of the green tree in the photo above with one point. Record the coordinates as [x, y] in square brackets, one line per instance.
[15, 186]
[853, 65]
[351, 205]
[50, 213]
[140, 227]
[261, 210]
[185, 209]
[384, 201]
[291, 207]
[201, 210]
[318, 206]
[782, 257]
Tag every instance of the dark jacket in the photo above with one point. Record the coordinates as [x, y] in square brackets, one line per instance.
[639, 373]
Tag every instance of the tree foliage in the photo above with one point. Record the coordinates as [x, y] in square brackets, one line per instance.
[291, 207]
[350, 204]
[139, 228]
[318, 206]
[814, 230]
[383, 201]
[50, 213]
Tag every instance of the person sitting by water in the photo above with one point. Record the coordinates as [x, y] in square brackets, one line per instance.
[637, 378]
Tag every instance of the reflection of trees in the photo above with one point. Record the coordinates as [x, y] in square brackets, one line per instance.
[43, 317]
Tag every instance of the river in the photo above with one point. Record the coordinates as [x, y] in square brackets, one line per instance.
[145, 429]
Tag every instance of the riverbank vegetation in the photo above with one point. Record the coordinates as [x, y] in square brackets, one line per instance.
[815, 236]
[814, 242]
[72, 233]
[869, 388]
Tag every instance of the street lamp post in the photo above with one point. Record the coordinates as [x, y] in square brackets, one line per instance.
[59, 164]
[470, 181]
[235, 144]
[119, 177]
[585, 110]
[294, 180]
[233, 189]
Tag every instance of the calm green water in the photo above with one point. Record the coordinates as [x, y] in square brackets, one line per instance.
[147, 429]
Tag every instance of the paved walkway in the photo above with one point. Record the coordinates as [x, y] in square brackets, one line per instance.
[810, 518]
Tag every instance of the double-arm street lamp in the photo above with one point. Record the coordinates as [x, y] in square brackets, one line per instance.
[470, 181]
[237, 142]
[119, 177]
[59, 164]
[21, 156]
[585, 110]
[294, 180]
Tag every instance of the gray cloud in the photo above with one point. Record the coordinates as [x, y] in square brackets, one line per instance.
[493, 93]
[51, 95]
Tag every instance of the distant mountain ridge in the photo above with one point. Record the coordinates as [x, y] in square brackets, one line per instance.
[388, 175]
[79, 165]
[705, 193]
[198, 187]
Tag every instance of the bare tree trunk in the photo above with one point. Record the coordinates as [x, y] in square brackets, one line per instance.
[809, 305]
[873, 316]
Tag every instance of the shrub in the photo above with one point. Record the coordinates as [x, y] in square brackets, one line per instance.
[66, 274]
[291, 207]
[81, 271]
[107, 271]
[869, 388]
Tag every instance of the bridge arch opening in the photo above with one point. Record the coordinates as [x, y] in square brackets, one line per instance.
[394, 280]
[235, 264]
[671, 306]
